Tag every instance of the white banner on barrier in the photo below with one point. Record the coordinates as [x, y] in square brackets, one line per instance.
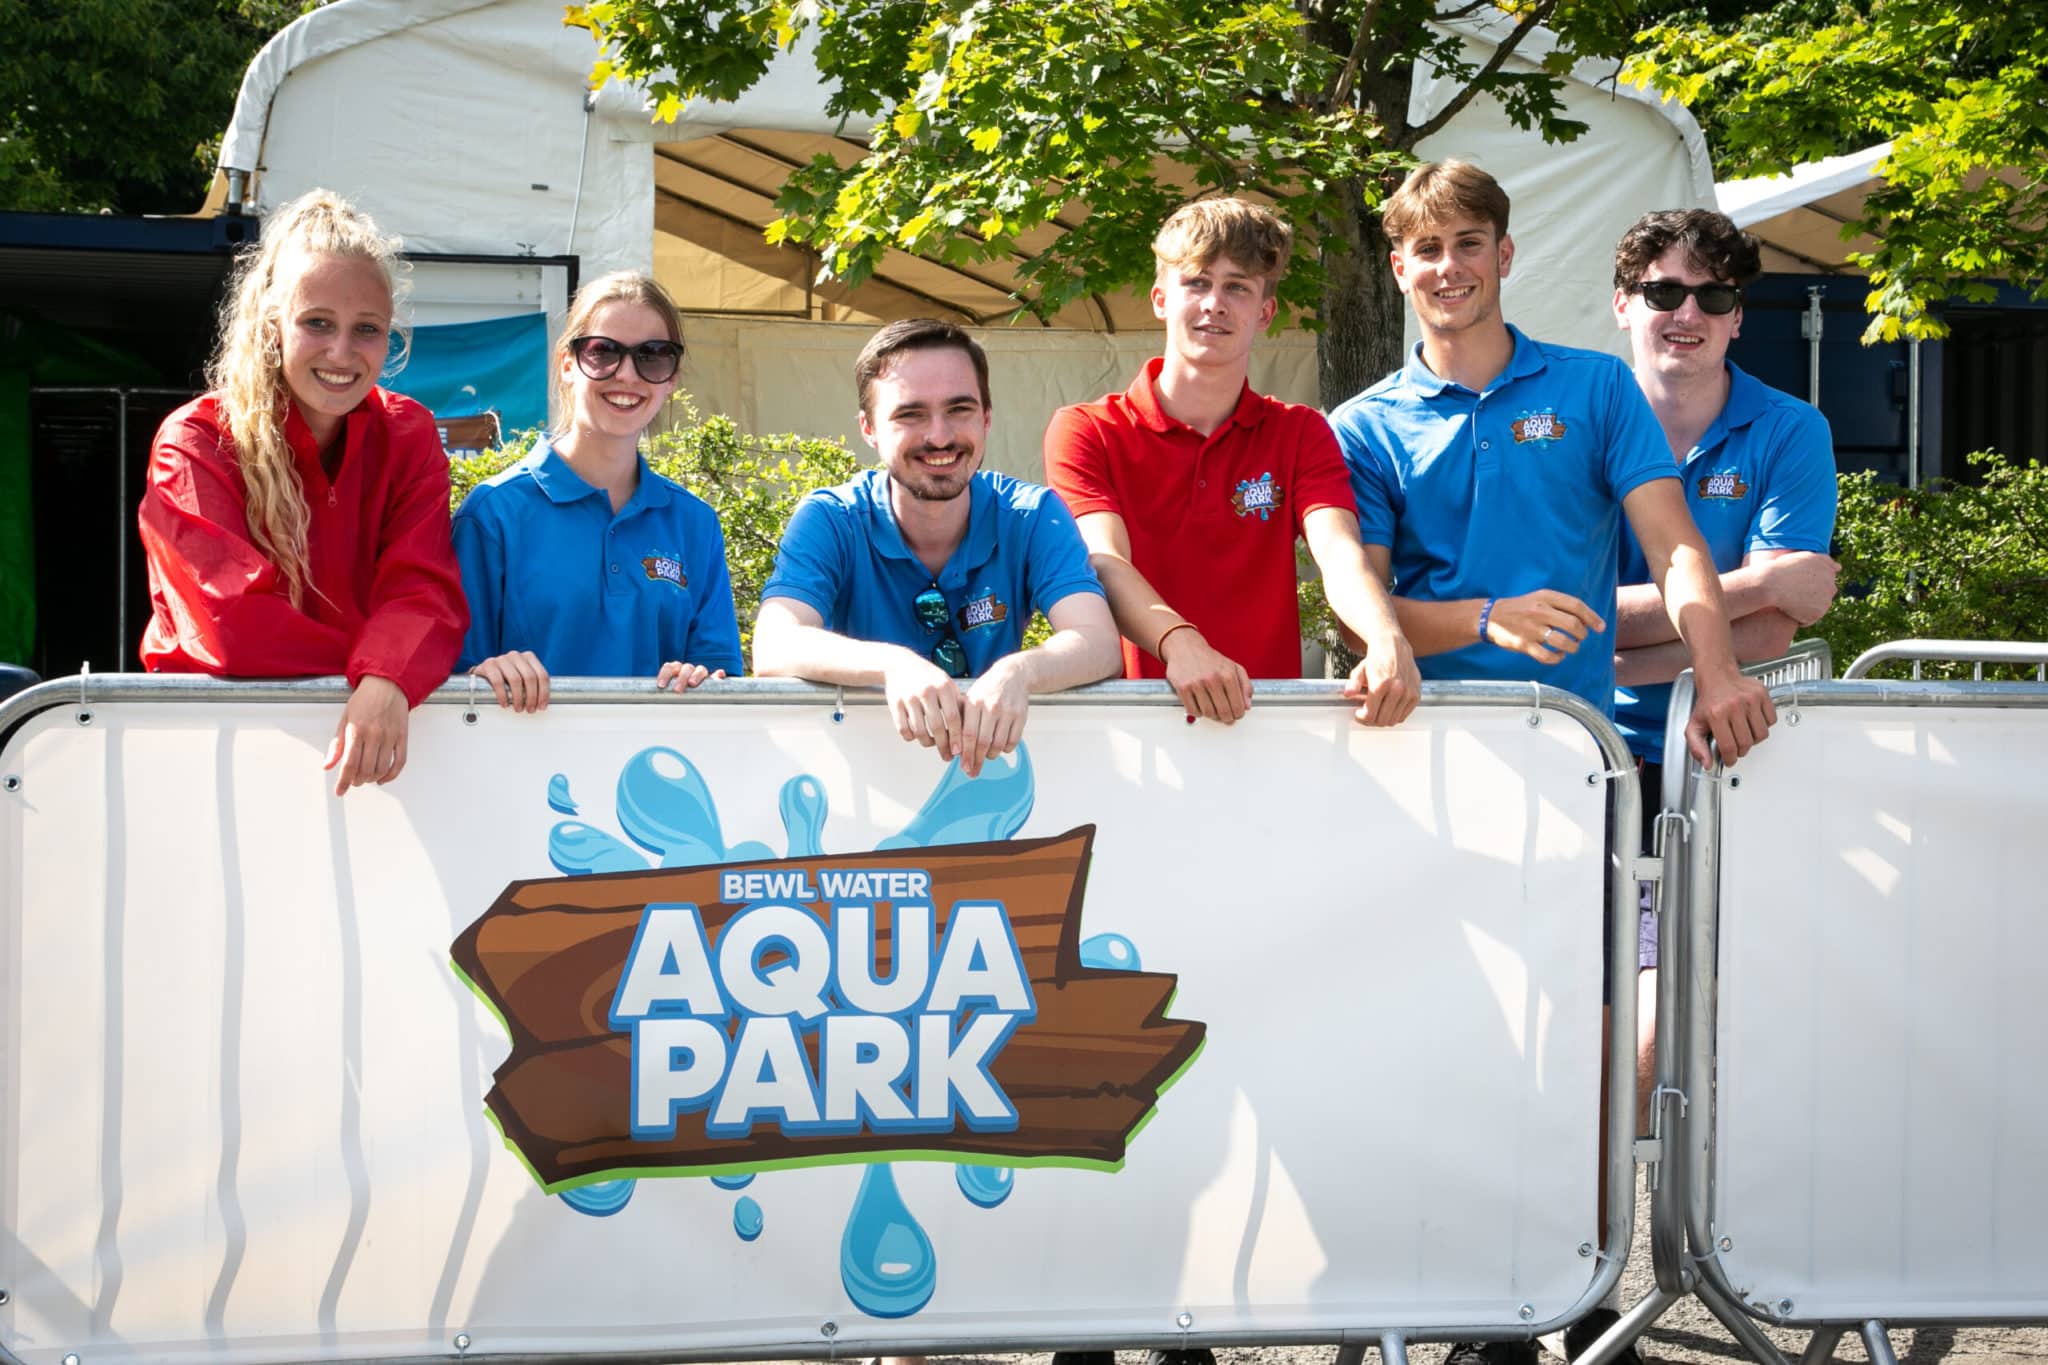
[718, 1026]
[1880, 1126]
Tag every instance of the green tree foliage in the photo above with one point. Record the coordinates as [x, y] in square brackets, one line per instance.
[119, 104]
[1956, 86]
[1946, 562]
[996, 121]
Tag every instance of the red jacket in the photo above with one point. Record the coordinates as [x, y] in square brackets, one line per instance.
[385, 595]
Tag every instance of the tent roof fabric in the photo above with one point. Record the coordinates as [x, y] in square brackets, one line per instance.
[1799, 217]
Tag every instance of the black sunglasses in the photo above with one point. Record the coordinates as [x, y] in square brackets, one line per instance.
[600, 358]
[933, 614]
[1666, 296]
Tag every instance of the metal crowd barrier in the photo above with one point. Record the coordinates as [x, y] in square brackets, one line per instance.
[1851, 1134]
[1256, 983]
[1977, 652]
[1806, 661]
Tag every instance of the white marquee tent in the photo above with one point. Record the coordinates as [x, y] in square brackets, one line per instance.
[468, 127]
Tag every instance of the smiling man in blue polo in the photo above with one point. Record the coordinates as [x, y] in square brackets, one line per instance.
[921, 576]
[1493, 473]
[1757, 466]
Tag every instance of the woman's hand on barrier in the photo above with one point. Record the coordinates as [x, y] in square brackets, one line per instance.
[994, 717]
[677, 676]
[369, 743]
[1211, 685]
[517, 678]
[1385, 684]
[925, 701]
[1546, 624]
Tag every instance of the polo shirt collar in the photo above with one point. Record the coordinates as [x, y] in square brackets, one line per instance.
[1143, 396]
[1745, 403]
[1526, 359]
[975, 549]
[563, 485]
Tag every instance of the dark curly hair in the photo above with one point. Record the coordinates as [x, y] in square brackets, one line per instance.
[1711, 240]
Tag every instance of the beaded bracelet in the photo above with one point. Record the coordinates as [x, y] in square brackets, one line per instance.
[1485, 615]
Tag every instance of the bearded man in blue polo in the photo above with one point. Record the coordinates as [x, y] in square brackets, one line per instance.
[919, 577]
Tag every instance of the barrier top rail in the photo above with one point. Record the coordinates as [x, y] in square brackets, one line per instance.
[1978, 652]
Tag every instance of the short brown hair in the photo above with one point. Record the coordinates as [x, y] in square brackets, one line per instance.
[915, 334]
[621, 286]
[1711, 240]
[1250, 234]
[1436, 192]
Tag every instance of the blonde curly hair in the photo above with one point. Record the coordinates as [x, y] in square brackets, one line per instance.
[247, 368]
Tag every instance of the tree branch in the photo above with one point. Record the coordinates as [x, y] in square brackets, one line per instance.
[1342, 92]
[1536, 15]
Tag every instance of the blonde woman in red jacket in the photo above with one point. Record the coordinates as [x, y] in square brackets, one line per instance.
[296, 517]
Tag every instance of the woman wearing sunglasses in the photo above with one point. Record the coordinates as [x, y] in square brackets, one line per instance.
[580, 559]
[296, 518]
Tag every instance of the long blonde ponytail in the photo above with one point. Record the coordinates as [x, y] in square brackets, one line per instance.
[247, 369]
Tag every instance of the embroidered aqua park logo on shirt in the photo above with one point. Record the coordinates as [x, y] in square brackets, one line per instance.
[1259, 495]
[983, 609]
[1727, 485]
[1537, 426]
[663, 568]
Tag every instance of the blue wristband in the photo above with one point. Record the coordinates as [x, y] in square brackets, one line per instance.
[1485, 615]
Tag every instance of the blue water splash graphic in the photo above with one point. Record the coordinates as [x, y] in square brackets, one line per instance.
[803, 816]
[600, 1200]
[733, 1182]
[970, 810]
[577, 850]
[558, 795]
[886, 1262]
[984, 1186]
[747, 1219]
[1110, 950]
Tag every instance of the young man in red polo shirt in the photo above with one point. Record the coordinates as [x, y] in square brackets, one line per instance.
[1190, 489]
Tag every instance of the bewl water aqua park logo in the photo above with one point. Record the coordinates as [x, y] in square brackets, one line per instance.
[728, 1011]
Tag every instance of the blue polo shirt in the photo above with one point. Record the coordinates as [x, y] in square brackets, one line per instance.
[844, 557]
[549, 568]
[1761, 478]
[1502, 492]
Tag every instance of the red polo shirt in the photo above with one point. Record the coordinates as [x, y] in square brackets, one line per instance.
[1212, 519]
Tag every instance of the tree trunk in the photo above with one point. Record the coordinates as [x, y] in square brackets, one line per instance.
[1362, 308]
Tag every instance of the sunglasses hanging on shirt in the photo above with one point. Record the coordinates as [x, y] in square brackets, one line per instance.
[934, 615]
[600, 358]
[1667, 296]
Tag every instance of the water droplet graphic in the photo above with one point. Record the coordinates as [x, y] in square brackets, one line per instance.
[886, 1262]
[986, 1186]
[803, 816]
[600, 1200]
[1110, 950]
[558, 795]
[733, 1182]
[665, 807]
[969, 810]
[577, 849]
[746, 1218]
